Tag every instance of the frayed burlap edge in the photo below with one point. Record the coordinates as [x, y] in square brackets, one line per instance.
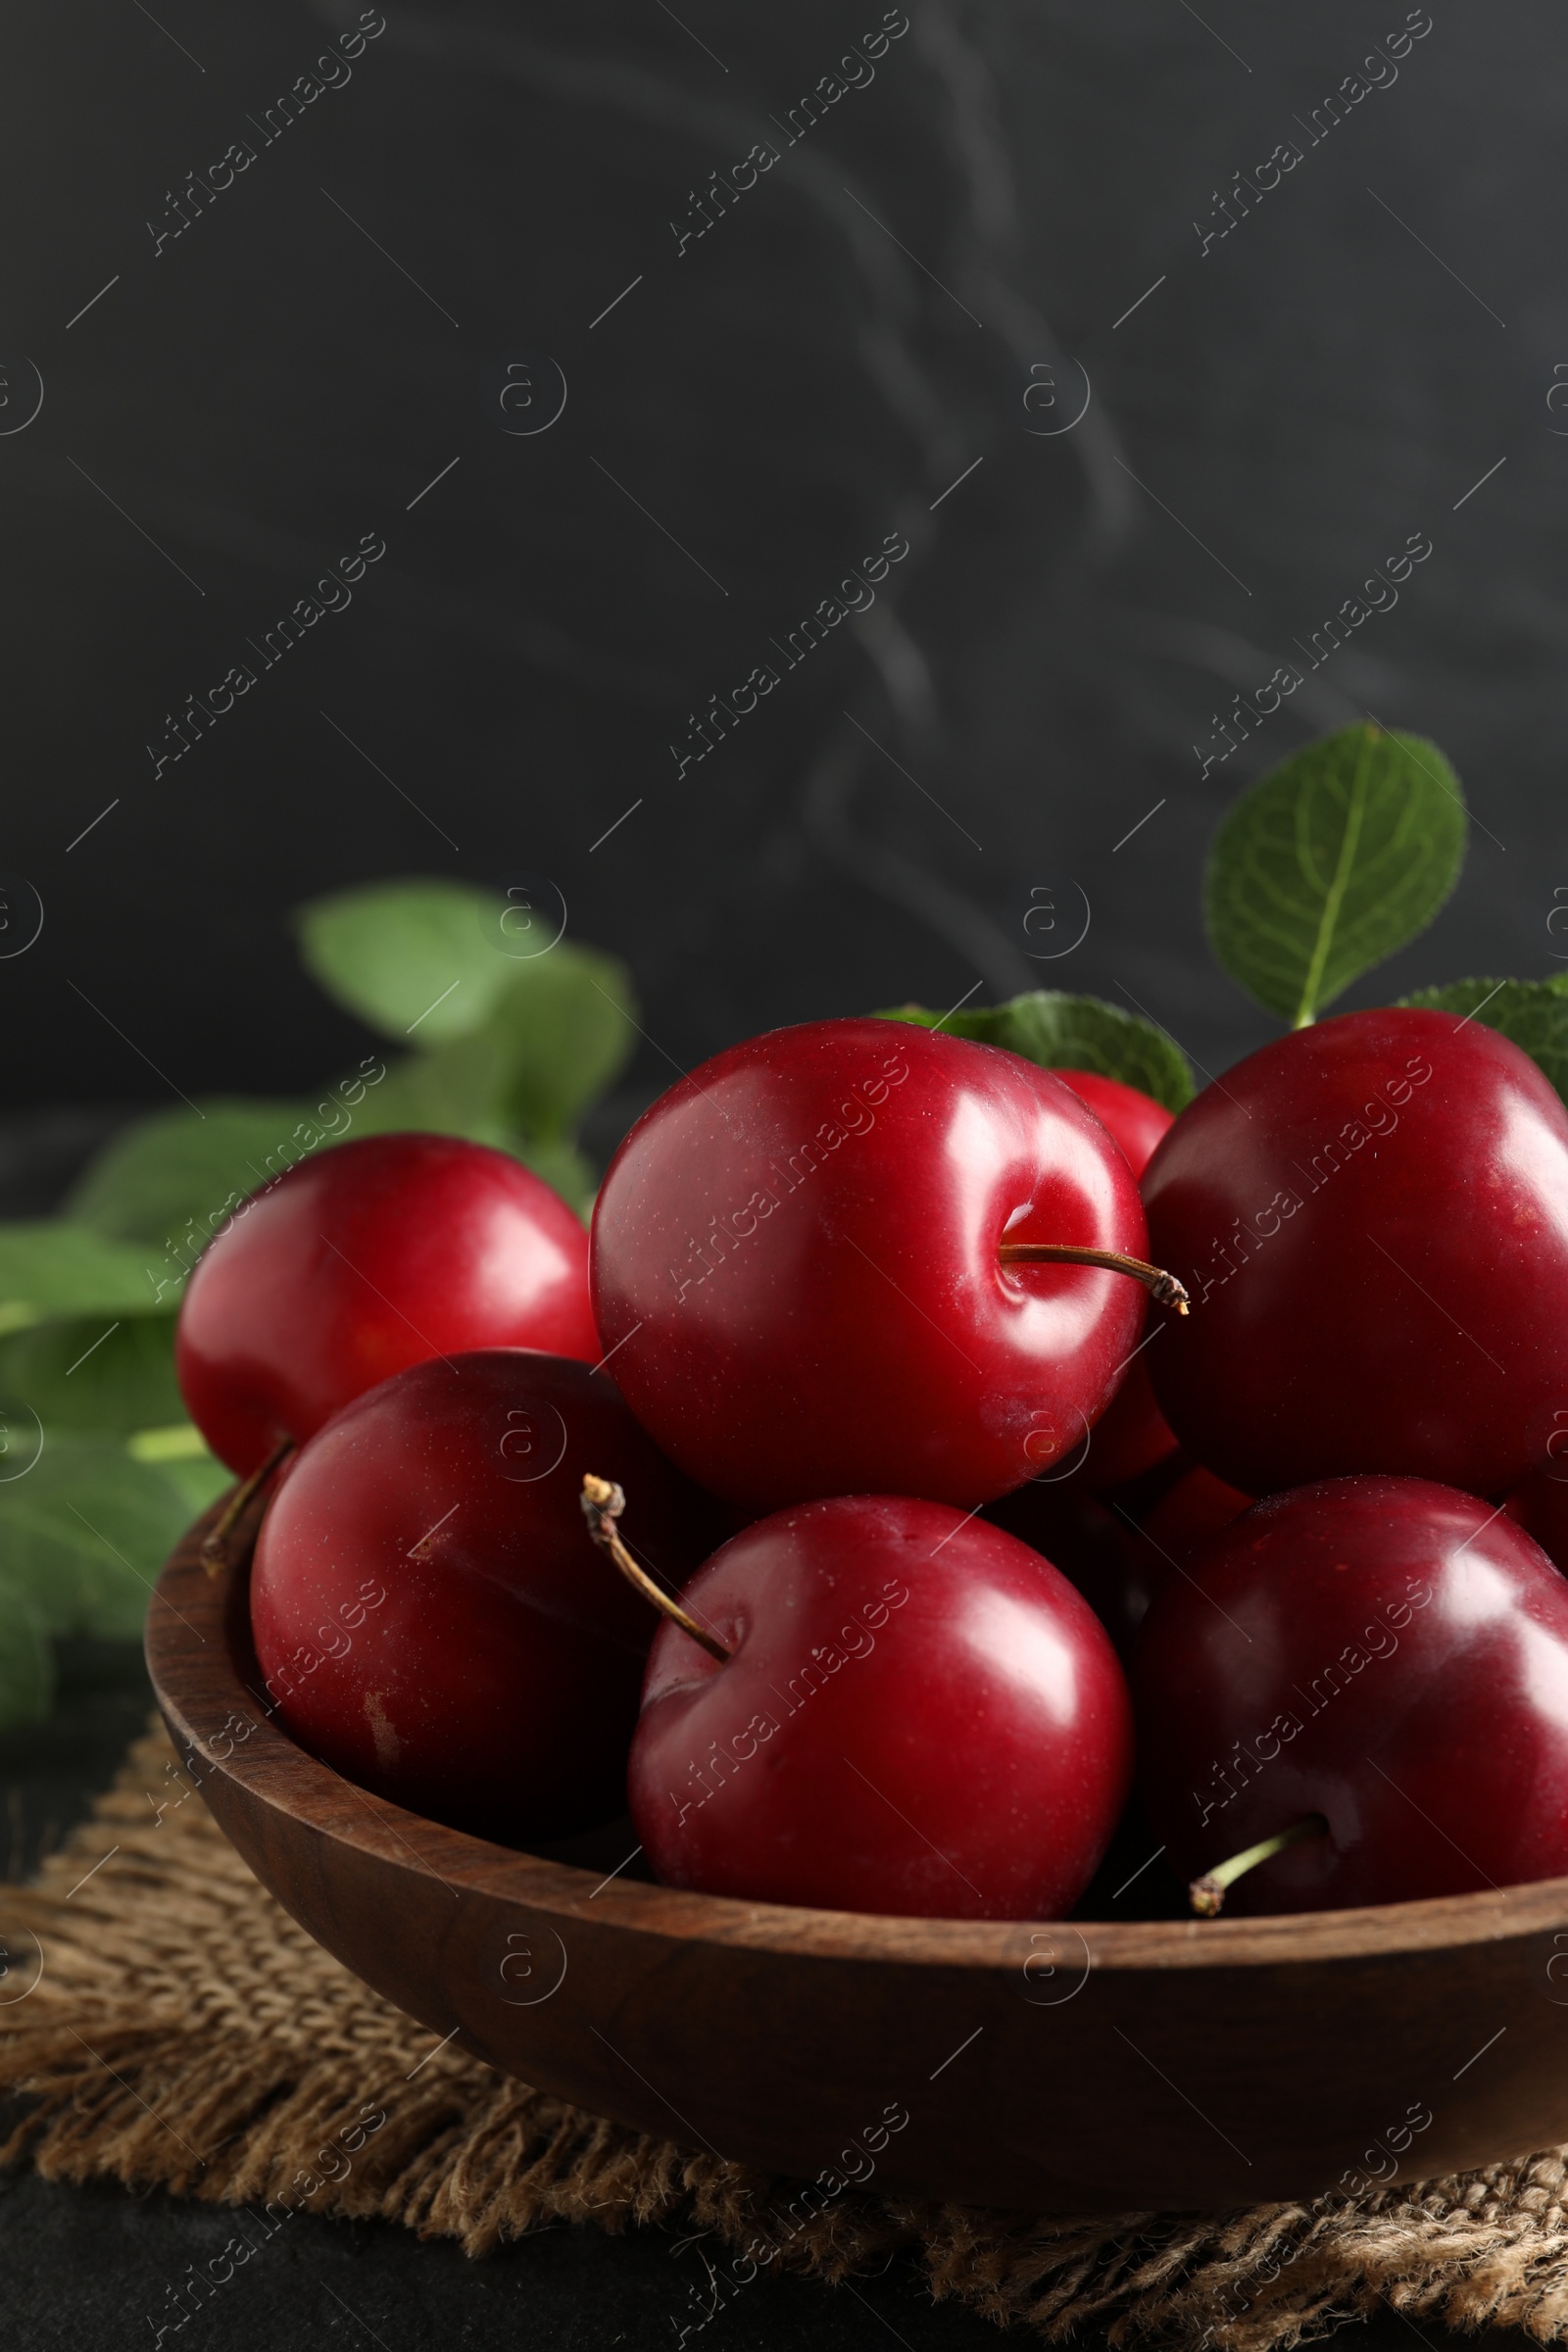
[185, 2035]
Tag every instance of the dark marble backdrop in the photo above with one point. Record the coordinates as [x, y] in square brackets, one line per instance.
[990, 213]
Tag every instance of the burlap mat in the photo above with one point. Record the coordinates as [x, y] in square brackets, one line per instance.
[184, 2034]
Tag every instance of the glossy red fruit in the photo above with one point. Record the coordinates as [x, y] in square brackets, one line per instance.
[1387, 1652]
[1100, 1553]
[1372, 1218]
[1132, 1434]
[1121, 1549]
[372, 1256]
[919, 1716]
[1136, 1120]
[1193, 1507]
[428, 1613]
[796, 1270]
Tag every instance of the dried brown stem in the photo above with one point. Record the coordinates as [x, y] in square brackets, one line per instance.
[1163, 1288]
[602, 1502]
[221, 1548]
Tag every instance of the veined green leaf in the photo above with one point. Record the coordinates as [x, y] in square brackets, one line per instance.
[1063, 1032]
[198, 1479]
[84, 1533]
[420, 961]
[54, 1266]
[566, 1027]
[558, 1038]
[174, 1177]
[166, 1442]
[88, 1373]
[1331, 863]
[1534, 1013]
[181, 1453]
[562, 1167]
[457, 1089]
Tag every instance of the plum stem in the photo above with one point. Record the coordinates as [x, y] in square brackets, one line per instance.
[219, 1552]
[602, 1502]
[1164, 1288]
[1208, 1894]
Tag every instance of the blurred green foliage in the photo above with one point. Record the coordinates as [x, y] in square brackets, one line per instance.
[498, 1029]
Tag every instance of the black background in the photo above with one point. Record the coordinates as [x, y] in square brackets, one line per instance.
[1303, 396]
[1280, 413]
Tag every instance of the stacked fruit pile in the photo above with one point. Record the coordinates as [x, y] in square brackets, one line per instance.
[965, 1371]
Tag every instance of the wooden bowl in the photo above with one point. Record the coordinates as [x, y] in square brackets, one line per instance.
[1079, 2067]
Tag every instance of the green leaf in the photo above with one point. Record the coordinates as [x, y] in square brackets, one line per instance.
[50, 1266]
[459, 1088]
[1062, 1032]
[180, 1451]
[26, 1662]
[84, 1533]
[1331, 863]
[172, 1177]
[562, 1167]
[1534, 1013]
[541, 1040]
[166, 1442]
[560, 1034]
[417, 957]
[566, 1028]
[81, 1374]
[199, 1482]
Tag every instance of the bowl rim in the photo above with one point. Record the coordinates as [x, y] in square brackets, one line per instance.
[197, 1640]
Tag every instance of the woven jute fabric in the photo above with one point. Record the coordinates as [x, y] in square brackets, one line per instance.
[184, 2034]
